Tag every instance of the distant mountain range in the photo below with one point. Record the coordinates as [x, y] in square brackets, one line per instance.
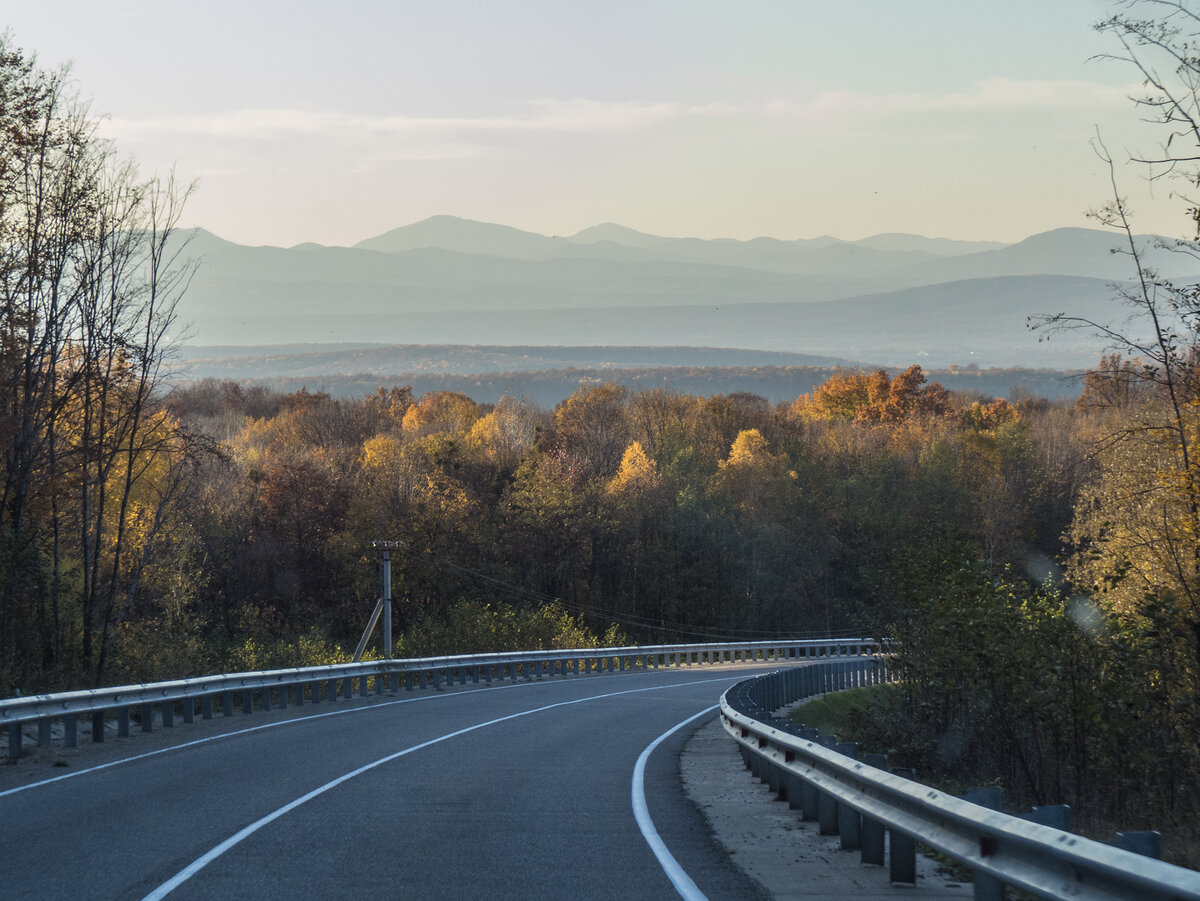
[888, 299]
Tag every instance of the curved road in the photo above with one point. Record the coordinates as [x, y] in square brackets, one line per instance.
[515, 790]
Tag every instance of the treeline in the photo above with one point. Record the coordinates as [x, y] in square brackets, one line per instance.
[549, 387]
[674, 516]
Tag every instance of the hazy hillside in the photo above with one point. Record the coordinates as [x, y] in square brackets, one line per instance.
[887, 299]
[981, 321]
[1065, 251]
[316, 360]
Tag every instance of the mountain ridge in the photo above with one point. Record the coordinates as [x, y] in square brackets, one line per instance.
[888, 298]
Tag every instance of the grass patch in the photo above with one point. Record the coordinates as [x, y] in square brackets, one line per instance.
[845, 714]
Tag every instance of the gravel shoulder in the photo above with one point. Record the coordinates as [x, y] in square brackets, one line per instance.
[769, 842]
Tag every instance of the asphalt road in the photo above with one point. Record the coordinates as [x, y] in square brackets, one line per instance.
[518, 790]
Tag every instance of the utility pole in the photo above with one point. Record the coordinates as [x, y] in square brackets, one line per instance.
[386, 567]
[384, 604]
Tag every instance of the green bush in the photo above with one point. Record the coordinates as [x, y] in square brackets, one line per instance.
[471, 627]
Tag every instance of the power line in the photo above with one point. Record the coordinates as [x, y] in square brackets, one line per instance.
[631, 620]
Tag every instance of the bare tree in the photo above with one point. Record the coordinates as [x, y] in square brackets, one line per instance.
[90, 274]
[1162, 46]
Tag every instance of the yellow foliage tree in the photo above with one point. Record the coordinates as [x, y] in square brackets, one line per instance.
[754, 478]
[441, 412]
[637, 476]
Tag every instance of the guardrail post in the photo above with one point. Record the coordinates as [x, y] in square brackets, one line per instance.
[97, 726]
[206, 707]
[247, 700]
[168, 714]
[43, 732]
[987, 887]
[774, 778]
[794, 788]
[827, 814]
[806, 794]
[123, 722]
[14, 741]
[227, 703]
[849, 827]
[872, 832]
[70, 731]
[364, 686]
[902, 848]
[902, 858]
[1147, 843]
[827, 807]
[189, 710]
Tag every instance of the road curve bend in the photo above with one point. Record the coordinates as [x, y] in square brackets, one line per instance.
[516, 790]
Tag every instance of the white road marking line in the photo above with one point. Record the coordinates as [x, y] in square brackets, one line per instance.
[204, 860]
[246, 731]
[688, 890]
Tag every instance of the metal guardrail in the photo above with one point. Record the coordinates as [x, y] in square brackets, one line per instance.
[861, 802]
[279, 688]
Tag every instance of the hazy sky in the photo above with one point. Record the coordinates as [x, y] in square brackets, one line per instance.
[333, 122]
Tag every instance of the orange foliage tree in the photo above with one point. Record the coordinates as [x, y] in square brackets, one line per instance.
[874, 397]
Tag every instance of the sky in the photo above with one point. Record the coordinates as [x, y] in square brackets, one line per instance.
[334, 122]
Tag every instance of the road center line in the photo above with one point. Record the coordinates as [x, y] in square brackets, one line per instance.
[688, 890]
[204, 860]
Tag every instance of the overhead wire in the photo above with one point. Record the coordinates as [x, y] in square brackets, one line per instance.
[624, 619]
